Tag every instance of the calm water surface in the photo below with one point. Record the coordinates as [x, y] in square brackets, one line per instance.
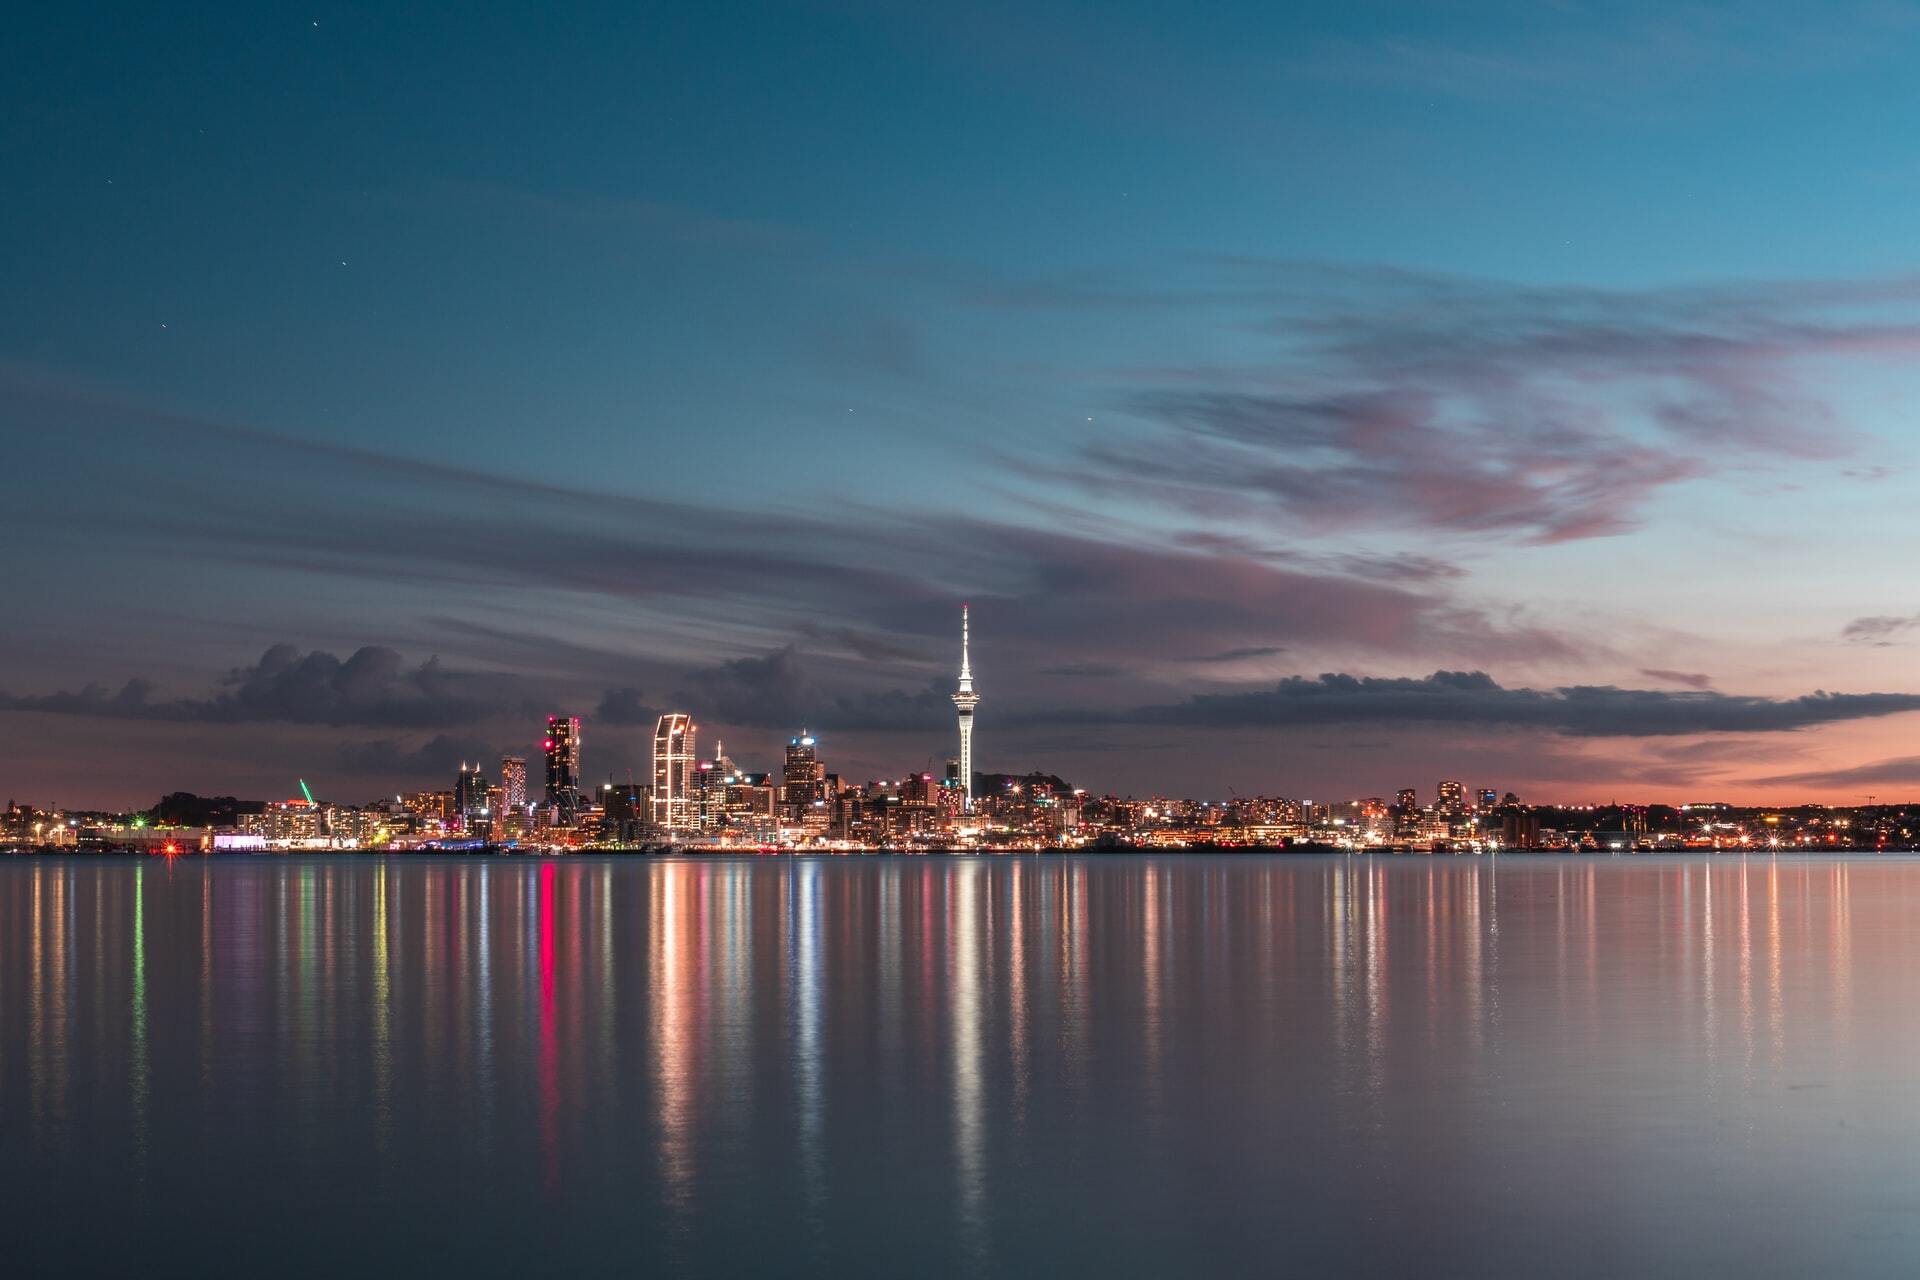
[1144, 1066]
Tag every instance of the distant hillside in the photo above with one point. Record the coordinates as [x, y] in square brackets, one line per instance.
[185, 809]
[988, 784]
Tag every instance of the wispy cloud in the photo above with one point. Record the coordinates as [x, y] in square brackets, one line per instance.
[1691, 679]
[1474, 698]
[1880, 630]
[1898, 771]
[874, 648]
[1245, 654]
[873, 585]
[1396, 400]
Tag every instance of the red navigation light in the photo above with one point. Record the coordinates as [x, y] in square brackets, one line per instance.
[548, 744]
[170, 848]
[553, 719]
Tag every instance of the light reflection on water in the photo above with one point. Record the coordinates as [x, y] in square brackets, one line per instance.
[1142, 1065]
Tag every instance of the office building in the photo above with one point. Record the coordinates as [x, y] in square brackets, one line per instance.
[803, 778]
[675, 808]
[470, 792]
[562, 747]
[513, 781]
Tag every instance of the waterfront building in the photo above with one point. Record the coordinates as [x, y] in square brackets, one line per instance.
[1520, 829]
[562, 747]
[675, 809]
[624, 808]
[711, 782]
[513, 781]
[752, 806]
[470, 792]
[290, 824]
[803, 779]
[429, 807]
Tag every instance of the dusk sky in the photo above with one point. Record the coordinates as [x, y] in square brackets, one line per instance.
[1310, 399]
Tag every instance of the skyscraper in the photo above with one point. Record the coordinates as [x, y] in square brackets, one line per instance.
[562, 745]
[674, 804]
[470, 792]
[965, 700]
[1406, 810]
[710, 781]
[513, 781]
[803, 779]
[1450, 798]
[623, 811]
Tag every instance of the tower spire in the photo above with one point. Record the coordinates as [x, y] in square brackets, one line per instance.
[966, 663]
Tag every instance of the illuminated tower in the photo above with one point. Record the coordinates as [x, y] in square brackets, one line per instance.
[965, 701]
[513, 780]
[562, 747]
[674, 808]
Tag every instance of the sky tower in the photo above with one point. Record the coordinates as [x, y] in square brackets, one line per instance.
[966, 700]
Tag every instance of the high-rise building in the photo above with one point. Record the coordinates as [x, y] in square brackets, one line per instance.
[713, 780]
[470, 792]
[1406, 811]
[675, 808]
[709, 796]
[1486, 798]
[513, 781]
[752, 805]
[562, 746]
[623, 810]
[803, 779]
[964, 701]
[1450, 799]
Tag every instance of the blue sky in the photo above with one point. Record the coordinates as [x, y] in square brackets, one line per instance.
[709, 355]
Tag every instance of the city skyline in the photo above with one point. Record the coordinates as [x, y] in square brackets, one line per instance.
[486, 756]
[1412, 401]
[1441, 698]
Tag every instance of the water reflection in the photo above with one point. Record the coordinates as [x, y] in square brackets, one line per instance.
[964, 1010]
[983, 1064]
[137, 1055]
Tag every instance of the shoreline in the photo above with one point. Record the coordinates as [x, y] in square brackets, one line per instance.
[51, 853]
